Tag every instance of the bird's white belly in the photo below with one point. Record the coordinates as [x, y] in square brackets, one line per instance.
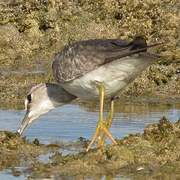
[114, 76]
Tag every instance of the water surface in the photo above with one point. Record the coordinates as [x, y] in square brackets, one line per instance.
[67, 123]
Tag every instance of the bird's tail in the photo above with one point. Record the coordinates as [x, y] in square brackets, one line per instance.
[136, 46]
[139, 44]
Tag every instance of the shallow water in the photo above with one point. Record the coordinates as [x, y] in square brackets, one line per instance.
[67, 123]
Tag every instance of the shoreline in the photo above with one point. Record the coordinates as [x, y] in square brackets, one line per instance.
[153, 152]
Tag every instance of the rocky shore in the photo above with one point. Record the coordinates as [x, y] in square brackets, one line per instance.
[31, 32]
[154, 153]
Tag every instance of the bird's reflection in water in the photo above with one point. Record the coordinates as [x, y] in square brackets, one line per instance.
[138, 106]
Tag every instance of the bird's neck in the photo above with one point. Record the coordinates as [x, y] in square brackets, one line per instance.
[57, 95]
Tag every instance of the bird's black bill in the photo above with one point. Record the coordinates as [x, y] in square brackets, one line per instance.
[24, 124]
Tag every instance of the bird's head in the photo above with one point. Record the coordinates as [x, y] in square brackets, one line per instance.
[41, 99]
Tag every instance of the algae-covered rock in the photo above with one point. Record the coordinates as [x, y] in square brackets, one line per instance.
[16, 151]
[31, 32]
[152, 152]
[158, 132]
[156, 151]
[12, 46]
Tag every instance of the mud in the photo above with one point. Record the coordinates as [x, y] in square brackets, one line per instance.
[154, 153]
[32, 31]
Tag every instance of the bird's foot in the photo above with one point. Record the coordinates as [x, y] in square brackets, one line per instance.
[101, 131]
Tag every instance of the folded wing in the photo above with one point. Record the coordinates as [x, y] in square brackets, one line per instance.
[85, 56]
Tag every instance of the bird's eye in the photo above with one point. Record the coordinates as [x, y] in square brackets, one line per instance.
[29, 98]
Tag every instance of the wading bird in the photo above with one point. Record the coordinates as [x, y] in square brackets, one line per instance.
[90, 70]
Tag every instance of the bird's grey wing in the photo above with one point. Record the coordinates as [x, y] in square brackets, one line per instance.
[84, 56]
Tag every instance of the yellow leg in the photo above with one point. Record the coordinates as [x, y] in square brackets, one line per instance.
[110, 115]
[107, 123]
[102, 127]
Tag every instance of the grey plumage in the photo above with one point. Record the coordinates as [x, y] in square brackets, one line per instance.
[84, 56]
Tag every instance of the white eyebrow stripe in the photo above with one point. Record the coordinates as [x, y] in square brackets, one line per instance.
[26, 103]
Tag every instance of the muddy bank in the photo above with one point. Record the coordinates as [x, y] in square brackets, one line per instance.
[32, 31]
[154, 153]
